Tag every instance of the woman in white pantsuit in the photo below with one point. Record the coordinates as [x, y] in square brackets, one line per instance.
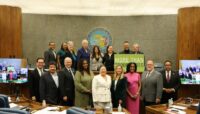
[101, 89]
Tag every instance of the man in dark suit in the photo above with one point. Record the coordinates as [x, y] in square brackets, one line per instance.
[50, 86]
[34, 79]
[136, 49]
[152, 85]
[67, 74]
[50, 54]
[126, 48]
[171, 82]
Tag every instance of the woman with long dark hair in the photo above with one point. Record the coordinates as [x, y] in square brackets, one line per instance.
[108, 59]
[61, 54]
[96, 58]
[83, 84]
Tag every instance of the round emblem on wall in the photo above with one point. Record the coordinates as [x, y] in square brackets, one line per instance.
[100, 37]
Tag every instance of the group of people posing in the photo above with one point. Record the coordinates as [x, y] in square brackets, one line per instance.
[70, 80]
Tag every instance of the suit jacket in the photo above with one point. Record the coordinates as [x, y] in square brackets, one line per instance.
[174, 82]
[82, 54]
[109, 62]
[48, 89]
[152, 86]
[101, 89]
[119, 93]
[139, 52]
[67, 84]
[74, 59]
[49, 57]
[34, 84]
[125, 52]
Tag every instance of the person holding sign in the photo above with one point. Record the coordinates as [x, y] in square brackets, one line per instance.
[133, 88]
[136, 49]
[126, 48]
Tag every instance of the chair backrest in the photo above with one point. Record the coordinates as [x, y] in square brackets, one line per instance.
[198, 110]
[12, 111]
[71, 111]
[2, 103]
[5, 97]
[80, 110]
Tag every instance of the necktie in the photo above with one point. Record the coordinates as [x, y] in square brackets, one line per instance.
[168, 78]
[71, 73]
[40, 72]
[148, 74]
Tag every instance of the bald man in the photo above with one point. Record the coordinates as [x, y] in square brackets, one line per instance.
[136, 49]
[83, 53]
[67, 74]
[152, 85]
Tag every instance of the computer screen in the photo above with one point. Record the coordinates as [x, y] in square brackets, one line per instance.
[189, 71]
[13, 70]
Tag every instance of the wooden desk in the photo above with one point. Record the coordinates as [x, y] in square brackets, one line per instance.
[160, 109]
[35, 106]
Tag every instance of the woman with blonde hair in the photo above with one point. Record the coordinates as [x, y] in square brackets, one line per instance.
[118, 87]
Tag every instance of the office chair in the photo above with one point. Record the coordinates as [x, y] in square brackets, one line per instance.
[12, 111]
[76, 110]
[198, 109]
[4, 103]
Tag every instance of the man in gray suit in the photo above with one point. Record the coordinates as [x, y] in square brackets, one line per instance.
[152, 84]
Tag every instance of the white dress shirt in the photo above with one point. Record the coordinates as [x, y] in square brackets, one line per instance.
[55, 78]
[40, 71]
[166, 72]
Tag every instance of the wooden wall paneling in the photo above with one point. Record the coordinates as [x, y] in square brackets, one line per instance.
[188, 43]
[11, 30]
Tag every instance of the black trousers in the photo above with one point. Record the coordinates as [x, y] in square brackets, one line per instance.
[146, 103]
[69, 102]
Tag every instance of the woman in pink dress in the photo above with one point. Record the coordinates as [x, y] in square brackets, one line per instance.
[133, 88]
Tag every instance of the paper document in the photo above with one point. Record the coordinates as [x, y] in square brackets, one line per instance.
[50, 110]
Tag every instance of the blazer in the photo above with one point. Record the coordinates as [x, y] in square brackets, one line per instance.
[82, 54]
[125, 52]
[101, 89]
[109, 61]
[152, 86]
[174, 82]
[139, 52]
[67, 83]
[34, 84]
[49, 57]
[74, 59]
[119, 92]
[48, 89]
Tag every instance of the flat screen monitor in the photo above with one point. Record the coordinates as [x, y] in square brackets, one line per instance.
[13, 70]
[189, 71]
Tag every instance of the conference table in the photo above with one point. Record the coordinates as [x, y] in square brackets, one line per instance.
[163, 108]
[35, 107]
